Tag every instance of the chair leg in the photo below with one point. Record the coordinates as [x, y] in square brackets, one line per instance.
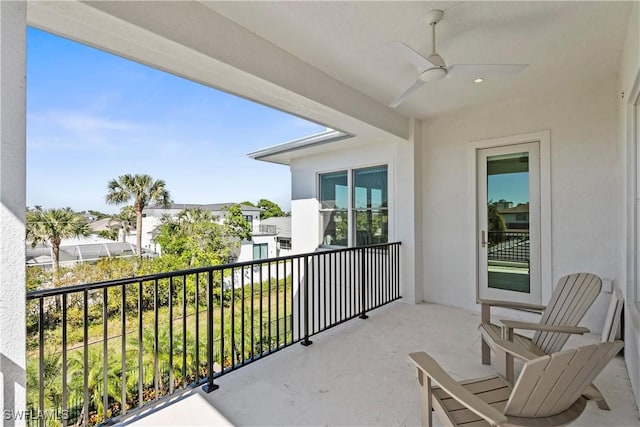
[592, 393]
[508, 368]
[485, 318]
[426, 404]
[486, 352]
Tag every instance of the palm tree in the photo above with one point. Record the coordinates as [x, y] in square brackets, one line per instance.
[53, 225]
[124, 220]
[142, 189]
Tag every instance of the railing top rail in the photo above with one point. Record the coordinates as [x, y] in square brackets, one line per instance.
[41, 293]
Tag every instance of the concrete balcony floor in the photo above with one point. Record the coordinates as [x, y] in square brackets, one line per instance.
[358, 374]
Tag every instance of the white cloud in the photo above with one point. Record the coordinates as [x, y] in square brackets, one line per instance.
[81, 122]
[68, 130]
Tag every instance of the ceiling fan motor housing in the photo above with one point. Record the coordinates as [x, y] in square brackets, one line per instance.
[435, 73]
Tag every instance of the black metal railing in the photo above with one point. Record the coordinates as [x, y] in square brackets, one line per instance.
[512, 246]
[98, 351]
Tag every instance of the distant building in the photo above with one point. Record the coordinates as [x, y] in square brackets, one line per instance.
[270, 238]
[503, 204]
[273, 239]
[516, 218]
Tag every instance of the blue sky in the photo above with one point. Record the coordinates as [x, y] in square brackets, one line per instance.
[512, 187]
[92, 116]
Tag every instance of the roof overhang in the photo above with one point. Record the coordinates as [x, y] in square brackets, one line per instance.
[282, 153]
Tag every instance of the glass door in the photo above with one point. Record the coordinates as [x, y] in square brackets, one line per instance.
[509, 223]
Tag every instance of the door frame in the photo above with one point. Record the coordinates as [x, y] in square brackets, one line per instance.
[543, 137]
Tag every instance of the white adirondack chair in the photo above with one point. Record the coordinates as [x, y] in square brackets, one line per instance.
[548, 391]
[571, 298]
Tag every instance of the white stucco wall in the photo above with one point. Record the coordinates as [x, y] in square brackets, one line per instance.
[305, 219]
[628, 84]
[246, 250]
[12, 211]
[584, 175]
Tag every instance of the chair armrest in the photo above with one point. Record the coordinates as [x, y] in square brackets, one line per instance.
[512, 304]
[563, 329]
[515, 350]
[433, 370]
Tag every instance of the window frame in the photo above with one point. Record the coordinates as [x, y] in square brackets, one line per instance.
[351, 210]
[260, 245]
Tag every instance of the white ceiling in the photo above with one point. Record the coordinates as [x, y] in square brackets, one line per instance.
[567, 44]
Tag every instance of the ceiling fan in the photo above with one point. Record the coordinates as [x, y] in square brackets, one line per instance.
[434, 68]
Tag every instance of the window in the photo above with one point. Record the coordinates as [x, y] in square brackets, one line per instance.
[365, 220]
[522, 217]
[334, 199]
[285, 243]
[248, 218]
[260, 251]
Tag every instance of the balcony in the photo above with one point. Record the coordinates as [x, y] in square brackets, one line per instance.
[98, 352]
[358, 374]
[355, 372]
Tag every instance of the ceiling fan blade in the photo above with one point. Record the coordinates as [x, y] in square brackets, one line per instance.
[486, 70]
[407, 93]
[420, 62]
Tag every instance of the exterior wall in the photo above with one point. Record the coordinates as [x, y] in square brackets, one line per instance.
[269, 239]
[629, 84]
[305, 218]
[584, 165]
[12, 211]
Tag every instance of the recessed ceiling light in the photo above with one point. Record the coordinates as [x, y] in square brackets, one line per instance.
[478, 80]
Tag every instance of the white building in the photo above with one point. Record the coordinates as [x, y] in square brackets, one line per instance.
[267, 240]
[574, 112]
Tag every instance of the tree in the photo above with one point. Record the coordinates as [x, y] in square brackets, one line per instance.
[194, 237]
[53, 225]
[142, 189]
[125, 218]
[495, 222]
[235, 224]
[271, 209]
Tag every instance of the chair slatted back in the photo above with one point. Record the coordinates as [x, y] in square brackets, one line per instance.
[571, 299]
[612, 321]
[551, 384]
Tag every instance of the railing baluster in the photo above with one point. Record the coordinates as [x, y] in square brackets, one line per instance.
[197, 315]
[363, 284]
[277, 305]
[324, 293]
[299, 297]
[85, 346]
[242, 336]
[105, 364]
[222, 321]
[140, 348]
[306, 341]
[171, 376]
[184, 331]
[253, 332]
[41, 360]
[156, 368]
[65, 404]
[233, 318]
[123, 346]
[269, 304]
[261, 312]
[210, 386]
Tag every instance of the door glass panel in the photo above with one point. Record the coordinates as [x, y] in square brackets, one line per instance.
[508, 246]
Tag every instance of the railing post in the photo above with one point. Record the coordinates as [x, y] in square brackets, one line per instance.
[363, 284]
[210, 386]
[306, 342]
